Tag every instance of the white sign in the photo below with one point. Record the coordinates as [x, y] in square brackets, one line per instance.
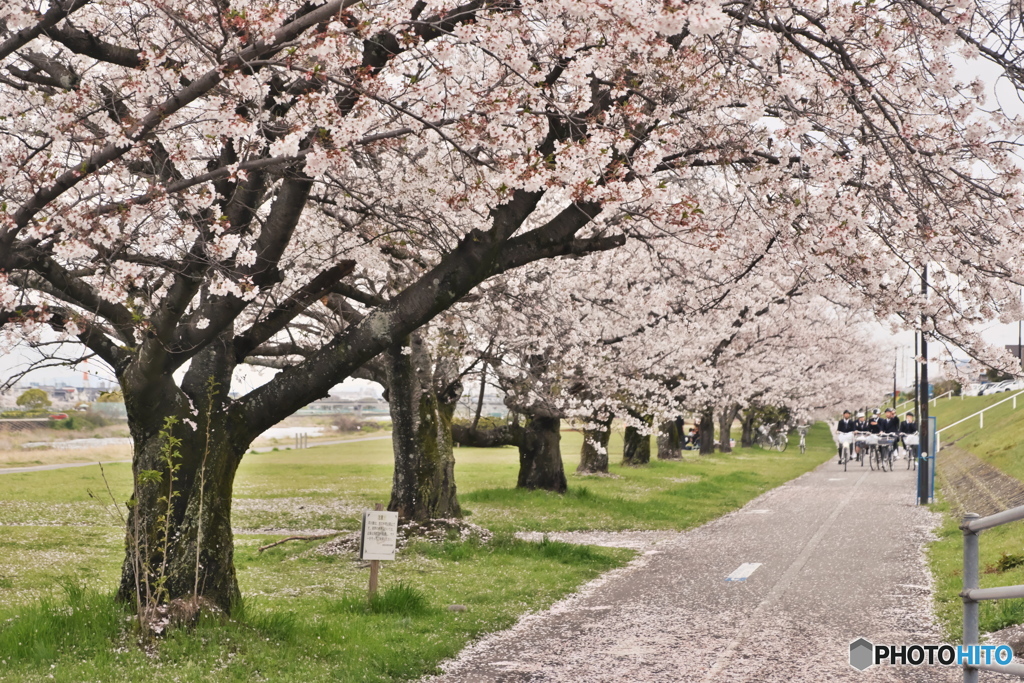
[379, 536]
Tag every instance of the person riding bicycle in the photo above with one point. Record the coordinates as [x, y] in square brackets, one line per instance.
[845, 426]
[890, 424]
[908, 426]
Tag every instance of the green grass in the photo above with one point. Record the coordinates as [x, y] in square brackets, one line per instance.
[1001, 444]
[305, 616]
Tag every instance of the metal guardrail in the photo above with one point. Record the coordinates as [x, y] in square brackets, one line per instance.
[980, 415]
[972, 526]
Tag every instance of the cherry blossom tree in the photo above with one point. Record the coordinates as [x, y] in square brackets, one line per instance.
[192, 185]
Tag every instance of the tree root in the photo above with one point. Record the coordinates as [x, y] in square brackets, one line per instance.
[318, 537]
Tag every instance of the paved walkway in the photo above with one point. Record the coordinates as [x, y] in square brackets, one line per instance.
[840, 557]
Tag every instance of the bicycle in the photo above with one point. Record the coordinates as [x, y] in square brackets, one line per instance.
[773, 439]
[861, 446]
[910, 442]
[846, 449]
[803, 438]
[886, 447]
[871, 453]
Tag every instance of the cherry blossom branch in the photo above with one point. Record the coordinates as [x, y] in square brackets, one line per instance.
[146, 124]
[296, 303]
[58, 11]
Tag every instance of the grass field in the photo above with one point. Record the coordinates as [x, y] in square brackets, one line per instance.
[1001, 444]
[305, 615]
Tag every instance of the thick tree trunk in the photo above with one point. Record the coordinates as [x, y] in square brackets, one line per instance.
[747, 439]
[725, 420]
[636, 448]
[594, 453]
[540, 459]
[669, 442]
[188, 550]
[188, 446]
[707, 432]
[424, 479]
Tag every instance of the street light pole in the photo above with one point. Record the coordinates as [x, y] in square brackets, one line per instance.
[917, 384]
[923, 478]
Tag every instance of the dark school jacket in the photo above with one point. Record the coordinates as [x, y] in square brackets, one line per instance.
[889, 425]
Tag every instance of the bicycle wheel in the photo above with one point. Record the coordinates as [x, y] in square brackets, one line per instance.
[782, 443]
[870, 456]
[803, 447]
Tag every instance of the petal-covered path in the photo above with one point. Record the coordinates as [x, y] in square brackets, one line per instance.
[839, 555]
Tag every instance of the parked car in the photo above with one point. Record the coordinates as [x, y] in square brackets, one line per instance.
[996, 388]
[973, 389]
[59, 416]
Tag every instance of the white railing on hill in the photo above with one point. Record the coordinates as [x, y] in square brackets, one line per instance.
[905, 403]
[948, 393]
[980, 415]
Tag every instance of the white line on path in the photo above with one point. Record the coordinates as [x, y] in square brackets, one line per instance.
[743, 571]
[779, 589]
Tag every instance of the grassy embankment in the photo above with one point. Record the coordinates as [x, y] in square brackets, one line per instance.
[305, 616]
[1001, 444]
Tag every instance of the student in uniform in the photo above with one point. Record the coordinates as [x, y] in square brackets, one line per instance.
[845, 426]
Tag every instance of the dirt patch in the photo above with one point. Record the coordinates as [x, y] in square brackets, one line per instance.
[434, 531]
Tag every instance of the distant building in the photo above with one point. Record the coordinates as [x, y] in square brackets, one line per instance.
[366, 406]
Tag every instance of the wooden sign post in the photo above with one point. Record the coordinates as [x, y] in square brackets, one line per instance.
[378, 540]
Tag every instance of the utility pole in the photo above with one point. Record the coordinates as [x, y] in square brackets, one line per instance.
[923, 478]
[917, 385]
[895, 363]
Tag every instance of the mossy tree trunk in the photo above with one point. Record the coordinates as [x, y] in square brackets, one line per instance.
[540, 457]
[423, 486]
[594, 453]
[669, 441]
[636, 447]
[187, 448]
